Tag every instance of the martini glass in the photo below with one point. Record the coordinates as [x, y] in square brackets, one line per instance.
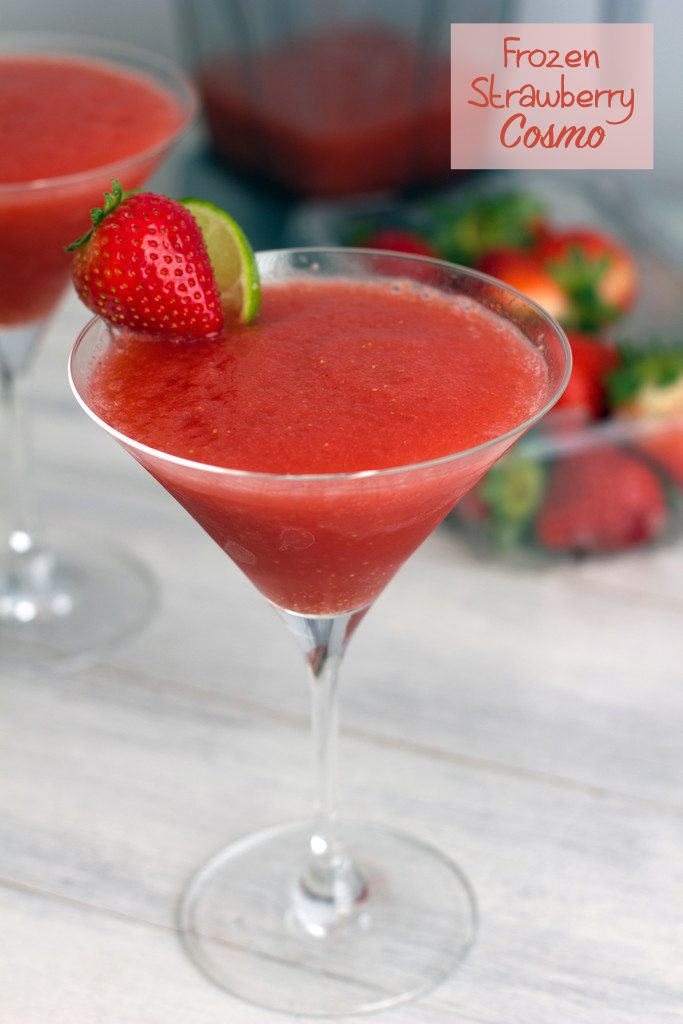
[57, 597]
[330, 917]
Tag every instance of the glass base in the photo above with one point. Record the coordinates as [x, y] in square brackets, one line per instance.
[249, 926]
[62, 600]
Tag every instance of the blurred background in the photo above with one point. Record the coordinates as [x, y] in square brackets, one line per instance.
[328, 122]
[224, 42]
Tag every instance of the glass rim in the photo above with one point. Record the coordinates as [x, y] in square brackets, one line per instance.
[90, 47]
[441, 460]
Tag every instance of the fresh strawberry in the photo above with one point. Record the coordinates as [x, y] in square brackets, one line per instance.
[399, 240]
[527, 275]
[599, 500]
[648, 386]
[144, 265]
[597, 273]
[465, 232]
[663, 444]
[592, 360]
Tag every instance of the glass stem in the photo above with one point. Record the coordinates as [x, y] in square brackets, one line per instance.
[21, 521]
[330, 885]
[323, 664]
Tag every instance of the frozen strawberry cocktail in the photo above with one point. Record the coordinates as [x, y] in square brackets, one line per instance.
[333, 378]
[74, 112]
[345, 403]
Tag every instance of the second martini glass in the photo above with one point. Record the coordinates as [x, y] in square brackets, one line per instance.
[57, 597]
[335, 917]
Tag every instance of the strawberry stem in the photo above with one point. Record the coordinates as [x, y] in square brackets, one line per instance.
[112, 200]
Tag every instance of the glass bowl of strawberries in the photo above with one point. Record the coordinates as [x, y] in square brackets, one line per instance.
[603, 472]
[584, 488]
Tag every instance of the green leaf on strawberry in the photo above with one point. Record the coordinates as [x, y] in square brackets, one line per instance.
[648, 387]
[464, 233]
[580, 280]
[512, 491]
[647, 382]
[597, 273]
[112, 200]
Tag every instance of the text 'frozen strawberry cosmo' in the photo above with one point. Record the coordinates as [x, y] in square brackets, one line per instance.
[552, 96]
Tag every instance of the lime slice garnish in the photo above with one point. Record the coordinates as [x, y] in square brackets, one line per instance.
[232, 259]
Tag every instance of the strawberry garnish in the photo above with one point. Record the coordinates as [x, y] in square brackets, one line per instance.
[527, 275]
[600, 500]
[144, 266]
[597, 273]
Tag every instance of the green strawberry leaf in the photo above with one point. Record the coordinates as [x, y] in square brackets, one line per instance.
[112, 200]
[465, 233]
[580, 277]
[658, 366]
[512, 490]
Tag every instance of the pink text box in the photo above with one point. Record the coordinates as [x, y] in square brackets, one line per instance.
[552, 97]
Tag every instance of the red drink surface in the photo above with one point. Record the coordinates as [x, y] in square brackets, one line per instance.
[60, 116]
[335, 377]
[333, 112]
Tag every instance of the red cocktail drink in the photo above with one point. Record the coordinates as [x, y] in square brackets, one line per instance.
[336, 378]
[74, 114]
[68, 124]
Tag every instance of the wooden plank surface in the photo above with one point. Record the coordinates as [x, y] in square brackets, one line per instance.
[527, 722]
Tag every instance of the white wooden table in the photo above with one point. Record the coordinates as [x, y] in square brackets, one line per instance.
[526, 722]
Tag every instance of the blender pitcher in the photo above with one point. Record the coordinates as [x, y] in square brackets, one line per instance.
[326, 97]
